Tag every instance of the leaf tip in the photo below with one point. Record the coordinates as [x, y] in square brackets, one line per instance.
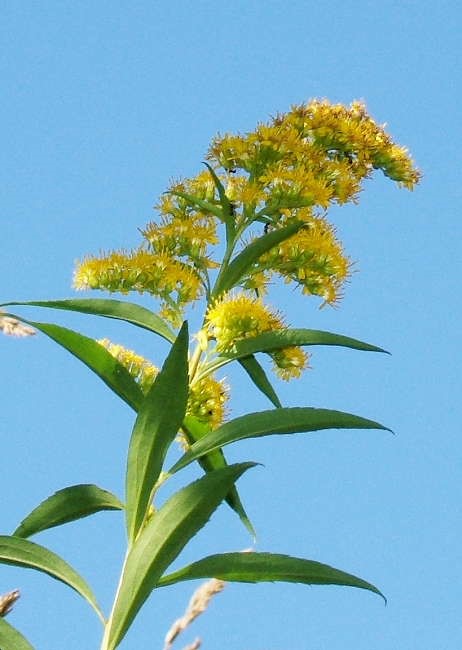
[379, 593]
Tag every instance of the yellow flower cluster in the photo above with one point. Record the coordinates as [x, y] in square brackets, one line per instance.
[237, 317]
[159, 274]
[183, 237]
[291, 168]
[313, 258]
[315, 154]
[173, 260]
[289, 363]
[287, 171]
[294, 167]
[207, 397]
[143, 371]
[207, 401]
[186, 229]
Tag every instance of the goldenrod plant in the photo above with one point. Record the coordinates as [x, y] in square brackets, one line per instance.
[255, 213]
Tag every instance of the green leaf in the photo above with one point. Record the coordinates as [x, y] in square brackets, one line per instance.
[67, 505]
[225, 202]
[259, 378]
[266, 567]
[194, 430]
[275, 421]
[271, 341]
[251, 253]
[159, 419]
[199, 203]
[161, 541]
[226, 205]
[118, 309]
[96, 357]
[21, 552]
[11, 639]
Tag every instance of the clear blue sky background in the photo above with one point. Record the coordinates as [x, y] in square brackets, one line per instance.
[103, 103]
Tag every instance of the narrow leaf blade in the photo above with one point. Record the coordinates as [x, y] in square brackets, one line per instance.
[270, 341]
[161, 541]
[277, 421]
[67, 505]
[95, 357]
[159, 419]
[23, 553]
[220, 188]
[226, 205]
[266, 567]
[243, 262]
[108, 308]
[194, 430]
[11, 638]
[260, 379]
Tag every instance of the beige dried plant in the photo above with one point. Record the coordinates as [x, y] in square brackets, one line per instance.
[197, 605]
[13, 327]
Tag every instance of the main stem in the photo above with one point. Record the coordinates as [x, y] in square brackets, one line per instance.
[107, 629]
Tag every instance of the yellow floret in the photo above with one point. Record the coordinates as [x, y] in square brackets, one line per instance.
[289, 363]
[236, 317]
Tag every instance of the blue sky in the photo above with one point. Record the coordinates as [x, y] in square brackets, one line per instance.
[103, 104]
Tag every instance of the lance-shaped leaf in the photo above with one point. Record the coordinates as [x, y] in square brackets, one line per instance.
[159, 419]
[162, 539]
[251, 253]
[266, 567]
[259, 378]
[67, 505]
[96, 357]
[118, 309]
[21, 552]
[228, 213]
[225, 202]
[275, 421]
[11, 639]
[276, 340]
[194, 430]
[269, 341]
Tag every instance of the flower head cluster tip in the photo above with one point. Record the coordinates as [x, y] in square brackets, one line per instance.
[315, 154]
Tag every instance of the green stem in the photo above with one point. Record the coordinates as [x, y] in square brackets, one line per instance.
[194, 362]
[107, 629]
[224, 265]
[231, 245]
